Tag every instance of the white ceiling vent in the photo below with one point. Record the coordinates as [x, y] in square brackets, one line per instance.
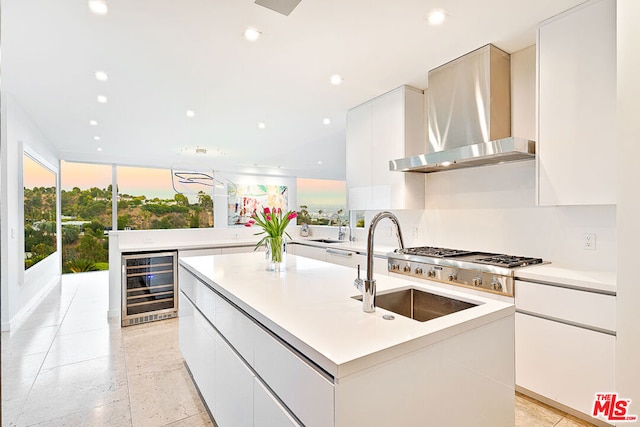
[284, 7]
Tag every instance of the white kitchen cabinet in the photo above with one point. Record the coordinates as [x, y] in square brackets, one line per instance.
[196, 339]
[565, 343]
[341, 257]
[241, 249]
[268, 412]
[234, 388]
[564, 363]
[225, 349]
[314, 252]
[385, 128]
[199, 252]
[576, 150]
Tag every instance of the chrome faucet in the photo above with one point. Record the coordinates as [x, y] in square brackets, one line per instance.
[341, 233]
[369, 292]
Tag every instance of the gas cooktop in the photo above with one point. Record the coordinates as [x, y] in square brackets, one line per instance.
[483, 271]
[498, 260]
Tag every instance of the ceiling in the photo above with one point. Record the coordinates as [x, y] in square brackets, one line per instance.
[164, 57]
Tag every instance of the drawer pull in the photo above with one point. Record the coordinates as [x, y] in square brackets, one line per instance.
[339, 253]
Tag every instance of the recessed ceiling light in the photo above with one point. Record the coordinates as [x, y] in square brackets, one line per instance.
[436, 17]
[326, 121]
[93, 123]
[101, 76]
[251, 34]
[190, 113]
[101, 99]
[261, 125]
[336, 79]
[97, 138]
[99, 149]
[99, 7]
[319, 162]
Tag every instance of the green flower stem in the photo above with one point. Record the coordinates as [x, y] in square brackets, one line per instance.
[275, 246]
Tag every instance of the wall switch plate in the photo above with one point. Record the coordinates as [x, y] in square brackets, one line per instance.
[589, 241]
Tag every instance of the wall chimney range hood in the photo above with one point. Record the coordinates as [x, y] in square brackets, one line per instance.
[469, 110]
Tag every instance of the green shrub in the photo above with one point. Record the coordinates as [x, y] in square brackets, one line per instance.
[80, 265]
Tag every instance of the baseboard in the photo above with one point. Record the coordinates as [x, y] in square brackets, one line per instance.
[24, 312]
[563, 408]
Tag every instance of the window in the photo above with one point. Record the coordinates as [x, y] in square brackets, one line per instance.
[39, 211]
[147, 200]
[322, 202]
[86, 216]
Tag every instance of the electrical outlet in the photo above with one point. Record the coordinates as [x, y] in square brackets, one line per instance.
[589, 241]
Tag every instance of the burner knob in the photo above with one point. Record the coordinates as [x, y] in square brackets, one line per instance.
[452, 277]
[431, 273]
[418, 271]
[395, 267]
[477, 281]
[406, 268]
[496, 285]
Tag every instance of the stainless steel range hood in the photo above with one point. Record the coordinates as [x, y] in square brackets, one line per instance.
[469, 110]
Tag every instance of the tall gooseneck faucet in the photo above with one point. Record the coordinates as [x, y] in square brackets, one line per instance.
[369, 293]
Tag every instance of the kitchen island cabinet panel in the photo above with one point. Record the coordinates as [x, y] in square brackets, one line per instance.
[303, 388]
[197, 344]
[318, 360]
[576, 150]
[268, 412]
[234, 388]
[237, 328]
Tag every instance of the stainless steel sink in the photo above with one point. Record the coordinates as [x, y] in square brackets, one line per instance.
[326, 241]
[418, 305]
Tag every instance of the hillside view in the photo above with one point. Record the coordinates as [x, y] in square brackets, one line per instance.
[86, 220]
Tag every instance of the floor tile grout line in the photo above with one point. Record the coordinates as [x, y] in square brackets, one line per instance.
[64, 316]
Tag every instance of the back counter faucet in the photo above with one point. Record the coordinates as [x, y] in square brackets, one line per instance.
[369, 291]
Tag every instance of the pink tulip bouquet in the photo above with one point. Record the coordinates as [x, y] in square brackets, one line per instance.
[274, 223]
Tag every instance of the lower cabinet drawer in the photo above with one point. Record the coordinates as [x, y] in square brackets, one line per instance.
[302, 388]
[582, 307]
[267, 411]
[564, 363]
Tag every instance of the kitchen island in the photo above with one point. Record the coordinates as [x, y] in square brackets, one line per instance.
[294, 348]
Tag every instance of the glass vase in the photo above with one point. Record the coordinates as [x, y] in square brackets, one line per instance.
[276, 253]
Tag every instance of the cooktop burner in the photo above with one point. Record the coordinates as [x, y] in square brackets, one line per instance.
[508, 260]
[499, 260]
[431, 251]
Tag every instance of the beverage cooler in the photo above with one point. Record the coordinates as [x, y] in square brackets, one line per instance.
[149, 286]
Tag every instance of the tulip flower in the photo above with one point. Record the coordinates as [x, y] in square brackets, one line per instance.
[273, 222]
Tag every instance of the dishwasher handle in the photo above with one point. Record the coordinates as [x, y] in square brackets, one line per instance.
[338, 252]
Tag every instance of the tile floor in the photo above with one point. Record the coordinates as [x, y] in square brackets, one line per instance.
[65, 365]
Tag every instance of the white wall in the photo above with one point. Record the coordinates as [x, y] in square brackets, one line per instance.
[20, 289]
[628, 315]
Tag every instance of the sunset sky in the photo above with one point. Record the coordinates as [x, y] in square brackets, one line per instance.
[36, 175]
[157, 183]
[322, 192]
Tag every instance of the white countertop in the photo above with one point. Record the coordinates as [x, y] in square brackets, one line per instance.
[185, 245]
[359, 246]
[554, 273]
[310, 307]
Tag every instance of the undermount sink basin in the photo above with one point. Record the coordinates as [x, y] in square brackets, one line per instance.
[326, 241]
[418, 305]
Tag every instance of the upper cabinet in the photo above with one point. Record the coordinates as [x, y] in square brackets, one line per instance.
[577, 106]
[388, 127]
